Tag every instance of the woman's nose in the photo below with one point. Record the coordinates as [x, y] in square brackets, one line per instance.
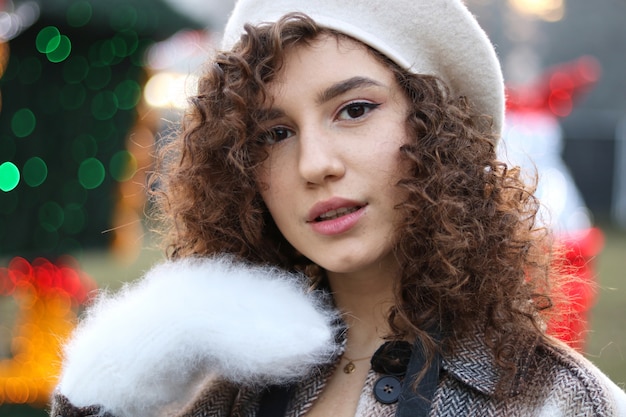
[320, 157]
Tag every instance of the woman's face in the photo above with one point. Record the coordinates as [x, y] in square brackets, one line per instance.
[336, 123]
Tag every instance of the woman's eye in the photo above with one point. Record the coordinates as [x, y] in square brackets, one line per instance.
[356, 110]
[276, 134]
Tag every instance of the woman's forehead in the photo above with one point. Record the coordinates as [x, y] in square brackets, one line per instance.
[331, 66]
[336, 51]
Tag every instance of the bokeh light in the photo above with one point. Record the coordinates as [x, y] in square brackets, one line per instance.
[74, 219]
[128, 94]
[169, 90]
[23, 123]
[71, 90]
[9, 176]
[35, 171]
[123, 18]
[51, 216]
[53, 44]
[74, 129]
[91, 173]
[548, 10]
[62, 51]
[104, 105]
[79, 13]
[123, 166]
[120, 49]
[46, 300]
[130, 40]
[48, 39]
[4, 57]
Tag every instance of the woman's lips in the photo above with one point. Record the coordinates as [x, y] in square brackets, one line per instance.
[335, 216]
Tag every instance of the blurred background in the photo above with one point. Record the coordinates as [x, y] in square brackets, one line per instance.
[88, 87]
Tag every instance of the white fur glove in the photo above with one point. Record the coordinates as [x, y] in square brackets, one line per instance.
[146, 347]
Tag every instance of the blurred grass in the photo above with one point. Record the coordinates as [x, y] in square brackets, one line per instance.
[606, 341]
[112, 271]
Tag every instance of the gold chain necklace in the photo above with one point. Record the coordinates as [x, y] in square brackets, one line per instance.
[350, 366]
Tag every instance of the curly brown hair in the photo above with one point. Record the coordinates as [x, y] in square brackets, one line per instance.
[471, 255]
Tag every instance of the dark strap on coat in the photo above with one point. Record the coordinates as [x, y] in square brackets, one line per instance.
[274, 401]
[417, 403]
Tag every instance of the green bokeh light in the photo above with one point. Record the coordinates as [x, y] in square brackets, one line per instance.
[107, 53]
[104, 105]
[23, 122]
[70, 246]
[62, 51]
[51, 216]
[79, 13]
[124, 17]
[107, 136]
[9, 176]
[48, 39]
[119, 46]
[128, 94]
[138, 60]
[91, 173]
[35, 171]
[123, 166]
[130, 38]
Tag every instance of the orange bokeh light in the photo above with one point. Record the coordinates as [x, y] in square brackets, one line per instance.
[48, 297]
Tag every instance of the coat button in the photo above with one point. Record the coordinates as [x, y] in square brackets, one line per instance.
[387, 389]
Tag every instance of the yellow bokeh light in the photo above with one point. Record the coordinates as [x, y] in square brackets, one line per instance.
[169, 90]
[549, 10]
[47, 298]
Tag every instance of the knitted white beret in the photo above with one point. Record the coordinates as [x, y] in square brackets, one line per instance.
[434, 37]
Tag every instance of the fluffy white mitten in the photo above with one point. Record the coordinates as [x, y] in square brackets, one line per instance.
[146, 347]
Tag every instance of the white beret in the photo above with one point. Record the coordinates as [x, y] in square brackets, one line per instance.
[434, 37]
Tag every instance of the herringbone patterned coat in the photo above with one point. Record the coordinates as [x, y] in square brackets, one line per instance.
[553, 381]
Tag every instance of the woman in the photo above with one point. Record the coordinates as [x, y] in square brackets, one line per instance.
[352, 145]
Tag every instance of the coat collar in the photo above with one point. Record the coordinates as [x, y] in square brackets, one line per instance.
[473, 364]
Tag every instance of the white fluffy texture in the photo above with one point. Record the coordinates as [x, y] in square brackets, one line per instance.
[145, 347]
[435, 37]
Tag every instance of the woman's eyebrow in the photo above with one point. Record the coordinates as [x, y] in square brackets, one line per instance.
[265, 115]
[341, 87]
[326, 95]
